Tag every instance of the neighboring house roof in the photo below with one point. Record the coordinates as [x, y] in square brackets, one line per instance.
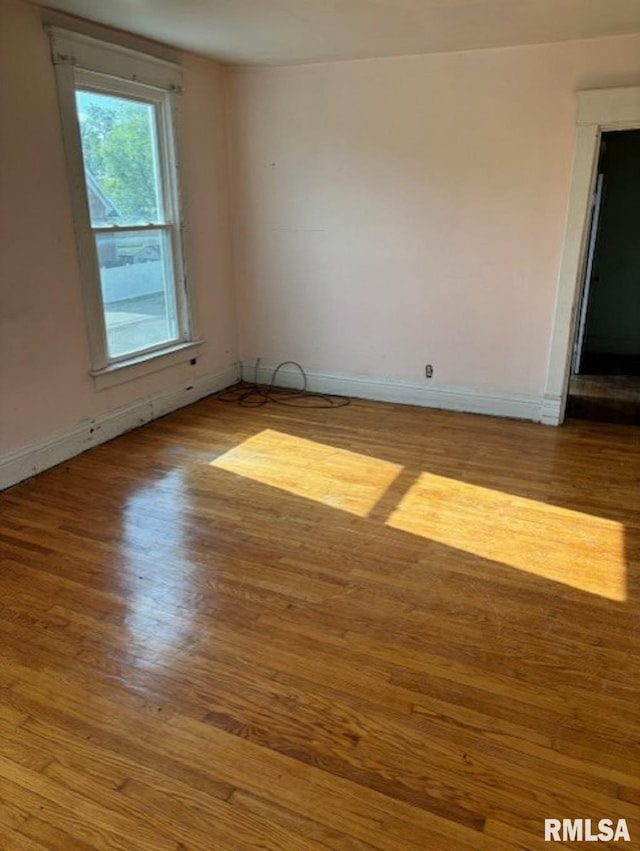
[101, 207]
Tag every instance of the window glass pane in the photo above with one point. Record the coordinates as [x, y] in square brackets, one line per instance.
[137, 290]
[119, 150]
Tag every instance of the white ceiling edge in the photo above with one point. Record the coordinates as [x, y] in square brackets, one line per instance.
[291, 32]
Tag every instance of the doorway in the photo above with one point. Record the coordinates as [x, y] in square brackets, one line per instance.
[604, 383]
[599, 111]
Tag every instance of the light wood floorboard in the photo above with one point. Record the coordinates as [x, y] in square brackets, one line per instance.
[371, 628]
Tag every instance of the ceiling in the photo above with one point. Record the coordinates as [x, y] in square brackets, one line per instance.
[277, 32]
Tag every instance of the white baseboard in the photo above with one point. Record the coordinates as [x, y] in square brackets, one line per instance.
[382, 390]
[23, 463]
[26, 462]
[552, 410]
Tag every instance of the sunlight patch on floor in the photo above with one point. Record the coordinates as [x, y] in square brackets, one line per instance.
[576, 549]
[334, 477]
[579, 550]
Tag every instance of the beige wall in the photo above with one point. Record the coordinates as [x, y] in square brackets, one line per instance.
[387, 213]
[394, 212]
[45, 386]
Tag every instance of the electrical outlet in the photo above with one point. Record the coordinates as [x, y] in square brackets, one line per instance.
[428, 371]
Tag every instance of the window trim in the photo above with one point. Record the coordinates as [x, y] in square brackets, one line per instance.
[138, 366]
[87, 63]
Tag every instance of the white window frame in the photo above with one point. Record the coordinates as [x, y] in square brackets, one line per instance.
[85, 63]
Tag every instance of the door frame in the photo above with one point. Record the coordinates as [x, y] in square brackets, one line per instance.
[594, 225]
[598, 110]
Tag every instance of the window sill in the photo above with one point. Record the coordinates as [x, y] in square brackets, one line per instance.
[141, 365]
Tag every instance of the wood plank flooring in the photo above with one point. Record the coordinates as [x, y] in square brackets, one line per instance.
[373, 628]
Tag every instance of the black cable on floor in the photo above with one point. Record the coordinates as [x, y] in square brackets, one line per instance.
[254, 395]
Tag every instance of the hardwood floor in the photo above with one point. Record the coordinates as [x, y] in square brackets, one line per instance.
[374, 628]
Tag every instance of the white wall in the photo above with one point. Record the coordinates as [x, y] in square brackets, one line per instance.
[395, 212]
[45, 386]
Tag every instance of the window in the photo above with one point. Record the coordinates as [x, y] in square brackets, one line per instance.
[118, 110]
